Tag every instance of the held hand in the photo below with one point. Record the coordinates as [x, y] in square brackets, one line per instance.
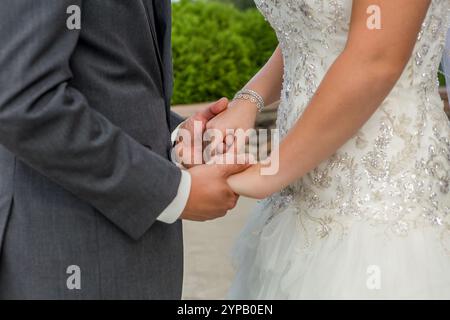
[250, 183]
[243, 182]
[240, 114]
[191, 149]
[211, 197]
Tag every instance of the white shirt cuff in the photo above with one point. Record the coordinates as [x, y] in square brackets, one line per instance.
[174, 134]
[176, 207]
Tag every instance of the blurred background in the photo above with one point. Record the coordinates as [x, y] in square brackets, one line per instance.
[218, 45]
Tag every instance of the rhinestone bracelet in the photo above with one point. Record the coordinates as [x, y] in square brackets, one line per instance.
[253, 96]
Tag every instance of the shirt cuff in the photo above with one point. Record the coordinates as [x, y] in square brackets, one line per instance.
[174, 134]
[176, 207]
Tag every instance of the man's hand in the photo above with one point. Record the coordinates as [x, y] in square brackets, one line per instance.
[191, 149]
[211, 196]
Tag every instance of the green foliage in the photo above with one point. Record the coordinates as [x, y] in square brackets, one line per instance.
[216, 49]
[441, 79]
[241, 4]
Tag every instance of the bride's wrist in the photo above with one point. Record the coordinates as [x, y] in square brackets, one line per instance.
[252, 97]
[244, 106]
[250, 183]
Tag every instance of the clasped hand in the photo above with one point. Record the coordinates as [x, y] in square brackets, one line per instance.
[211, 195]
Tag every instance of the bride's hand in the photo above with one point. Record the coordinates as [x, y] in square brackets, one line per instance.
[251, 183]
[241, 114]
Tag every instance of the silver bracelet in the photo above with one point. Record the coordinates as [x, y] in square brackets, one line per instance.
[253, 96]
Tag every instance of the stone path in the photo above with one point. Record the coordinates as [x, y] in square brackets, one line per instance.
[207, 247]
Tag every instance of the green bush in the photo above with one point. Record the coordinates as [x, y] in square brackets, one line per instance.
[241, 4]
[216, 49]
[441, 79]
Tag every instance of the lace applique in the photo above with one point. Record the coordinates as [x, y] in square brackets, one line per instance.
[395, 172]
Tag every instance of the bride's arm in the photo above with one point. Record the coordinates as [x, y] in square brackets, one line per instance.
[241, 114]
[354, 87]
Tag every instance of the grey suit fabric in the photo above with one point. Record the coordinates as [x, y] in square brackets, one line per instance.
[84, 151]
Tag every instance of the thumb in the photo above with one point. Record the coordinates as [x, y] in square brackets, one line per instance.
[219, 106]
[214, 109]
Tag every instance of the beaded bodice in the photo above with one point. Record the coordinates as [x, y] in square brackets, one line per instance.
[396, 171]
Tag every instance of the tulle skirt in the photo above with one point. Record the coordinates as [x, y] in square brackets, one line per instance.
[275, 258]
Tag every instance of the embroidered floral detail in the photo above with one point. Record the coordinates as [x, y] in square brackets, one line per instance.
[395, 172]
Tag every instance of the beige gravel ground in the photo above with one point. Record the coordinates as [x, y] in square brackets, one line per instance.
[208, 270]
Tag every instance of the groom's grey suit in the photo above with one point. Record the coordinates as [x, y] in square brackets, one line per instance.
[84, 146]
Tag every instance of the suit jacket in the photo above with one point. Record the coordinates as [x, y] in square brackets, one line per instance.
[84, 146]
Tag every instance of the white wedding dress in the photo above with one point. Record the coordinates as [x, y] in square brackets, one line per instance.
[373, 221]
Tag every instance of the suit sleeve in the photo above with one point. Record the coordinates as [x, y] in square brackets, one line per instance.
[175, 120]
[50, 126]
